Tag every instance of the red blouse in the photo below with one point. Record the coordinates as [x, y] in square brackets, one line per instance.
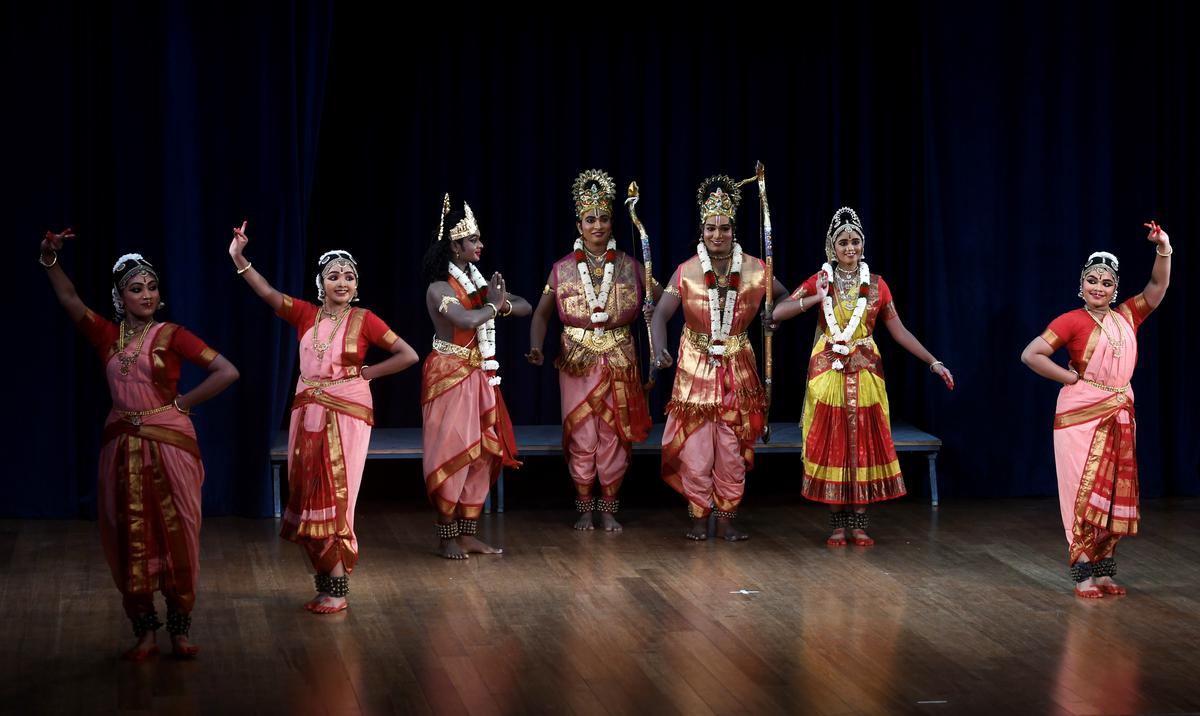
[172, 345]
[302, 314]
[1078, 332]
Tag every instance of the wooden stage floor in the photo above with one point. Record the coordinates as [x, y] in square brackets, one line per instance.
[963, 610]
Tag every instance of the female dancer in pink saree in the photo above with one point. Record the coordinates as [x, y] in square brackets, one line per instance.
[331, 416]
[150, 468]
[1094, 430]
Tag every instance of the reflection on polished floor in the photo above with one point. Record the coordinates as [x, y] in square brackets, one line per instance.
[966, 610]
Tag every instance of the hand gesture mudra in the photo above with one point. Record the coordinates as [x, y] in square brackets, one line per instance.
[1157, 235]
[239, 241]
[496, 293]
[54, 242]
[822, 285]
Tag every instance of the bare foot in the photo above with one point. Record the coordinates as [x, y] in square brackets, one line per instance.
[1087, 589]
[450, 549]
[730, 533]
[474, 546]
[330, 605]
[861, 538]
[699, 530]
[1108, 586]
[182, 648]
[584, 522]
[609, 521]
[145, 648]
[837, 538]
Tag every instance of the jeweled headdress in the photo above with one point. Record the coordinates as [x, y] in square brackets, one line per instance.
[718, 196]
[330, 260]
[1102, 260]
[128, 266]
[843, 219]
[593, 189]
[467, 226]
[125, 268]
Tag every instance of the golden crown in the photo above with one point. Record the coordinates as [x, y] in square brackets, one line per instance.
[593, 189]
[467, 226]
[718, 196]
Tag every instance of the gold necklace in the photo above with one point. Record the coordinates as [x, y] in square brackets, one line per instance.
[595, 262]
[847, 284]
[321, 347]
[128, 359]
[723, 278]
[1116, 343]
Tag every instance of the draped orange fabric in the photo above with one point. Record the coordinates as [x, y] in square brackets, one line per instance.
[725, 390]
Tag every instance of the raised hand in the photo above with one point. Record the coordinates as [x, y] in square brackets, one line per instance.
[496, 293]
[1157, 235]
[54, 242]
[822, 285]
[239, 241]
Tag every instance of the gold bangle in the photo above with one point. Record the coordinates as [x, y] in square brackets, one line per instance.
[495, 311]
[935, 363]
[510, 307]
[175, 402]
[245, 268]
[362, 374]
[53, 261]
[1156, 250]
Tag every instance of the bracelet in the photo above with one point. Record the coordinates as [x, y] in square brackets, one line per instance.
[936, 363]
[52, 261]
[175, 402]
[510, 307]
[495, 311]
[1170, 251]
[245, 268]
[363, 375]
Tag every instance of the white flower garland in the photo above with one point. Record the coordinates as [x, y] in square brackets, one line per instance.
[721, 322]
[839, 336]
[597, 303]
[485, 333]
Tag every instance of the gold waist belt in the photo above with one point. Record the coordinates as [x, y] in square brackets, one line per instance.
[586, 337]
[868, 342]
[319, 383]
[1102, 386]
[135, 416]
[447, 348]
[733, 344]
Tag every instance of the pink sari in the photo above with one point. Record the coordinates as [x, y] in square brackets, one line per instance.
[328, 438]
[150, 478]
[1095, 439]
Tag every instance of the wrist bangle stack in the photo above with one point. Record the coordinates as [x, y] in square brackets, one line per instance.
[245, 268]
[175, 402]
[935, 364]
[1170, 250]
[53, 260]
